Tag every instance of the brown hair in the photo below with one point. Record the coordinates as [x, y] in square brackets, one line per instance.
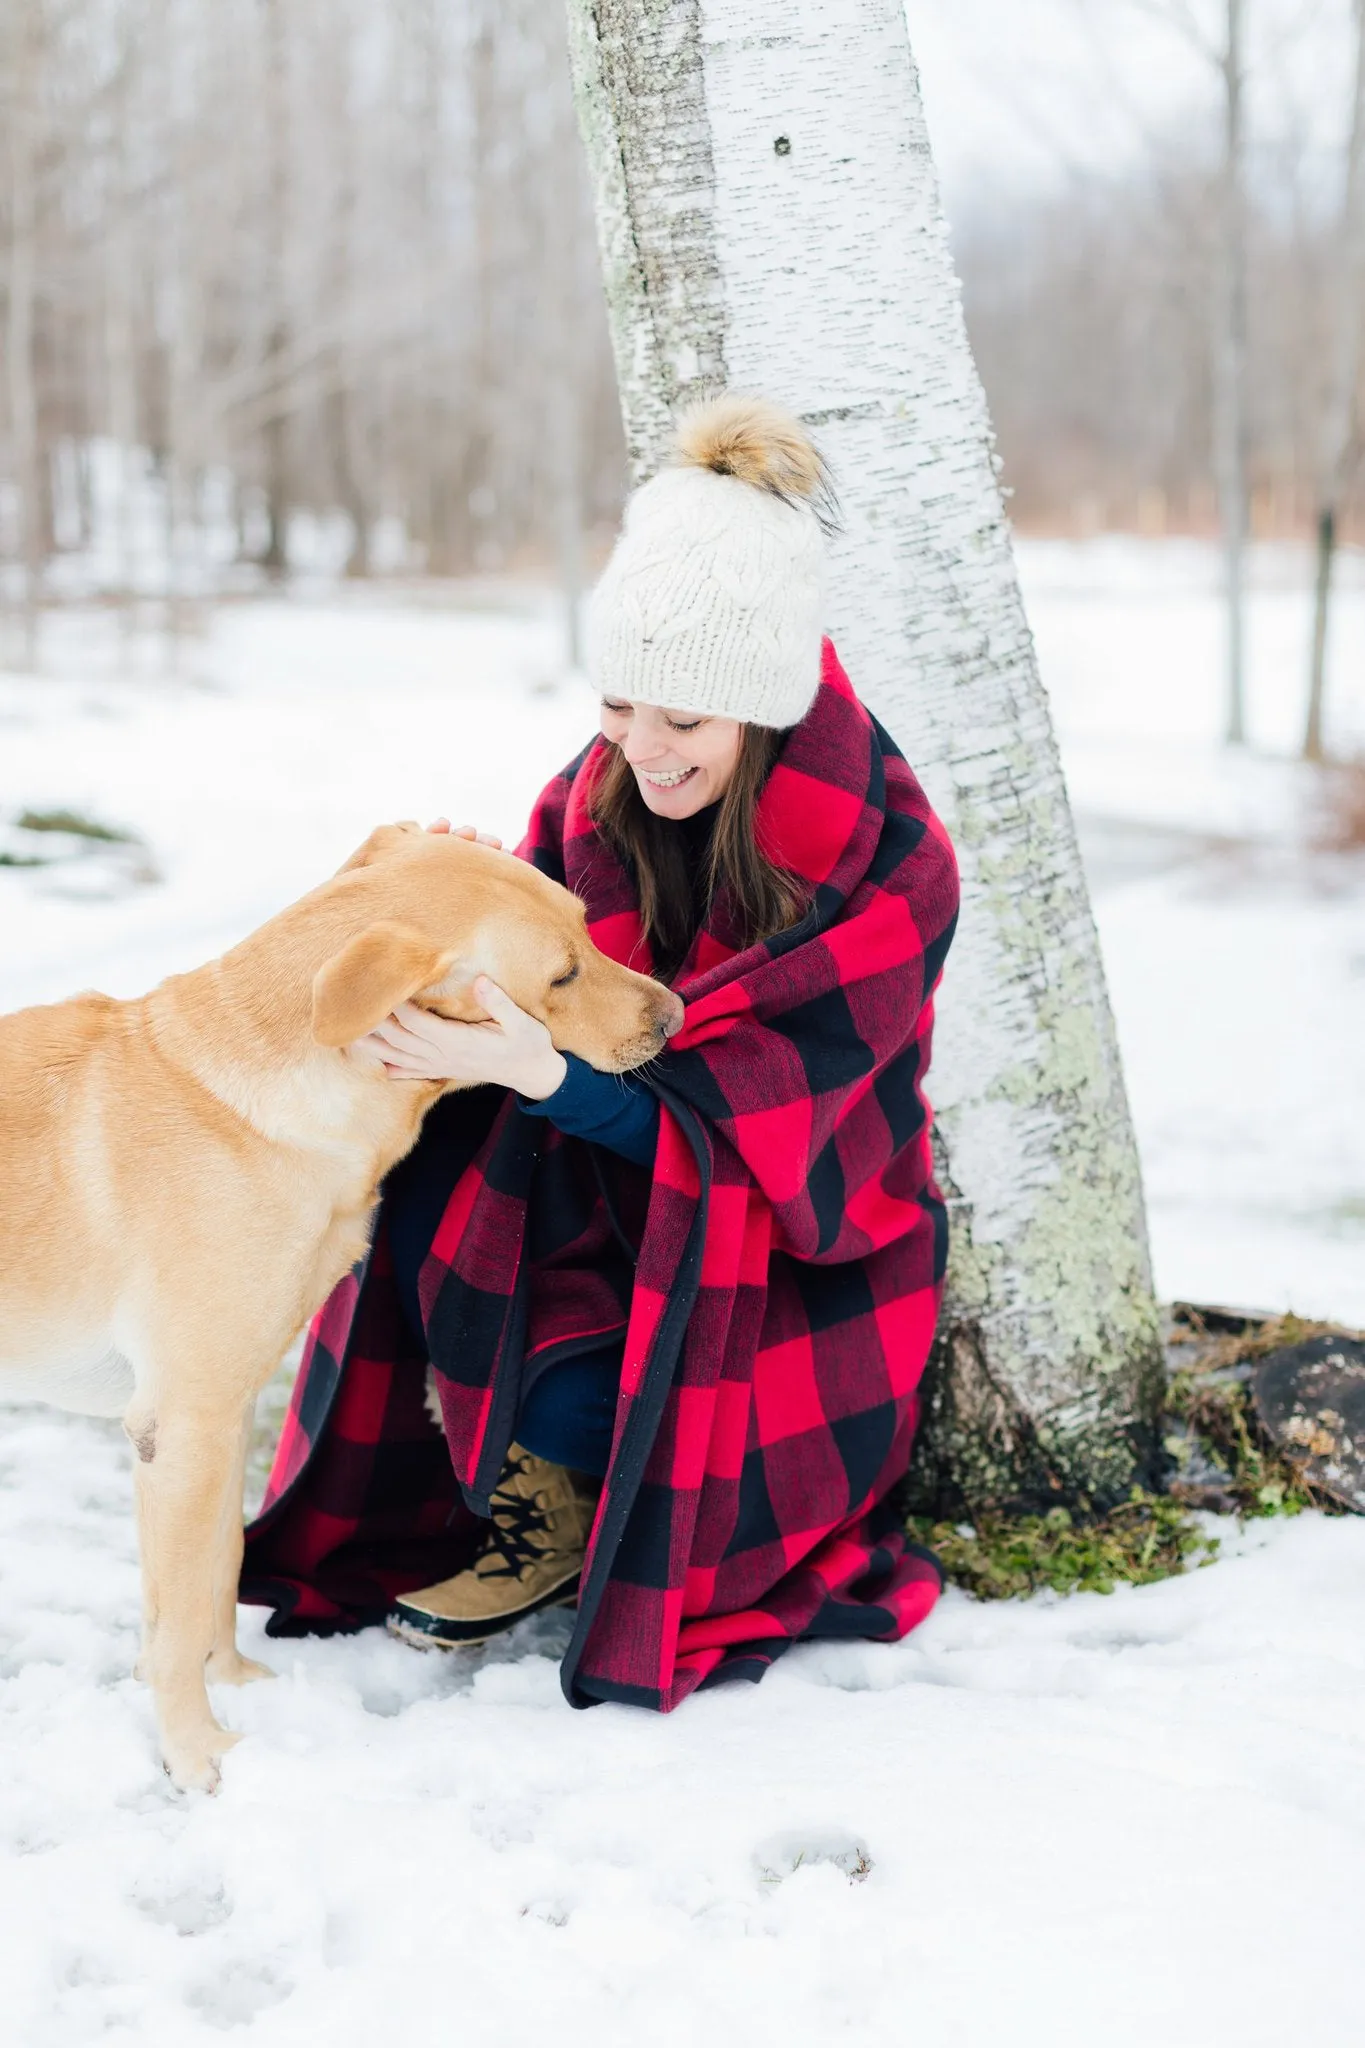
[761, 898]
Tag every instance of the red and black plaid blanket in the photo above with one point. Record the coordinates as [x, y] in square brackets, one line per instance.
[783, 1268]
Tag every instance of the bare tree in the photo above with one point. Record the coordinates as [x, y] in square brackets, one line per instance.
[118, 320]
[768, 216]
[1347, 344]
[569, 289]
[1231, 358]
[25, 55]
[278, 140]
[341, 432]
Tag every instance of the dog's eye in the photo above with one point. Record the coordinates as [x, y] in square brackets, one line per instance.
[563, 980]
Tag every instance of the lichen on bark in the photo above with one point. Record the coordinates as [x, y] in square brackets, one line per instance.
[982, 1445]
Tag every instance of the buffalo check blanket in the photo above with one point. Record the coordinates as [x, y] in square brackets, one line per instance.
[776, 1278]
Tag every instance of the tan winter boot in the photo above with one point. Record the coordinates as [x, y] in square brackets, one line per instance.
[531, 1558]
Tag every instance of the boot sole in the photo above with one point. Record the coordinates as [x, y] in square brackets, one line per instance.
[433, 1632]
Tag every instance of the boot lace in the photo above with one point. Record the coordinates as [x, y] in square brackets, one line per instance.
[515, 1518]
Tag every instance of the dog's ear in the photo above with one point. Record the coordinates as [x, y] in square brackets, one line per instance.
[381, 841]
[373, 972]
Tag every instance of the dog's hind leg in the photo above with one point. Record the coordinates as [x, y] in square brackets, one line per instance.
[227, 1665]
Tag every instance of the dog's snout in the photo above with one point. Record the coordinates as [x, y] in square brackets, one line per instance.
[672, 1018]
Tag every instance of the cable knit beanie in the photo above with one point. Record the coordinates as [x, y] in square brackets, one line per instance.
[713, 599]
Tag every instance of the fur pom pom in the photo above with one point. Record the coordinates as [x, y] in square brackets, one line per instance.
[759, 444]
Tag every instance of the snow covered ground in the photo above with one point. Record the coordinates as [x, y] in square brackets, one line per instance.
[1126, 1820]
[1120, 1819]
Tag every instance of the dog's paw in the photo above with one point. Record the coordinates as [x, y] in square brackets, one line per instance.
[196, 1766]
[230, 1667]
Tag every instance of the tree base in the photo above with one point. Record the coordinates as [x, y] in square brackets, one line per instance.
[979, 1453]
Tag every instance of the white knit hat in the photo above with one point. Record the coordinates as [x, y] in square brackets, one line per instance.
[713, 599]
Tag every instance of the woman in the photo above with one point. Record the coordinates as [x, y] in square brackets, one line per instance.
[675, 1321]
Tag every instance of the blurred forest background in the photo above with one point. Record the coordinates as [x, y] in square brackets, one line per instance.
[311, 284]
[314, 279]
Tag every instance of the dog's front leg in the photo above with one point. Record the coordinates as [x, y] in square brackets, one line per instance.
[227, 1665]
[187, 1463]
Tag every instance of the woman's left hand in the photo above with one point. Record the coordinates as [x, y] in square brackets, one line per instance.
[512, 1050]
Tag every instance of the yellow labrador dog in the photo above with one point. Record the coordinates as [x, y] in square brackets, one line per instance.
[183, 1179]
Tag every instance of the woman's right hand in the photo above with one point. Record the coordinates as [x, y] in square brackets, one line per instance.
[465, 832]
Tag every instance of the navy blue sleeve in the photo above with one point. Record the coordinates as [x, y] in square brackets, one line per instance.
[609, 1109]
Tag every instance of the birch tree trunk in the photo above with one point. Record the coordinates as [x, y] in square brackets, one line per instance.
[768, 217]
[1339, 418]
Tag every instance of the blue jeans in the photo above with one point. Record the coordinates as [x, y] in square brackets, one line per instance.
[569, 1413]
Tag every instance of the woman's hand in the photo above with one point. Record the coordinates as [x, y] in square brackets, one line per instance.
[511, 1050]
[465, 832]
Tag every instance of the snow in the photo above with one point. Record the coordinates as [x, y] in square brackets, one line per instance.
[1123, 1819]
[1110, 1819]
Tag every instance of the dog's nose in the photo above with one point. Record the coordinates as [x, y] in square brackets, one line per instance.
[672, 1019]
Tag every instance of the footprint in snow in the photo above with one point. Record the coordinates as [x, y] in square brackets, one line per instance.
[1119, 1639]
[235, 1996]
[192, 1909]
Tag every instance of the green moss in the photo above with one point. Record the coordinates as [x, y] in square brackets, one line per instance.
[1006, 1557]
[76, 824]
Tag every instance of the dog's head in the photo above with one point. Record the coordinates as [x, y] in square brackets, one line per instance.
[437, 912]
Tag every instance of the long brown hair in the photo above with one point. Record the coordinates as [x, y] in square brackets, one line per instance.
[761, 898]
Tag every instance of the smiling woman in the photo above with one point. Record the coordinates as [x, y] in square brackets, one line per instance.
[681, 760]
[688, 840]
[705, 1289]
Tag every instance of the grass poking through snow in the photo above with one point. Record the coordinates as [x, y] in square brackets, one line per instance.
[75, 825]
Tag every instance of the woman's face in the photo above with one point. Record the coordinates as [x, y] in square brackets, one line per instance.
[682, 760]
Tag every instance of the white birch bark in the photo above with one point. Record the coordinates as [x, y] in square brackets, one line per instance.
[768, 217]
